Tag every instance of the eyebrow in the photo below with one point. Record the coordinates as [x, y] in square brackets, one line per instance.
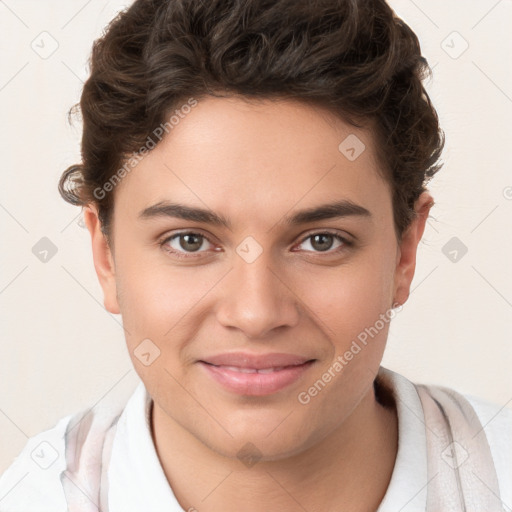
[337, 209]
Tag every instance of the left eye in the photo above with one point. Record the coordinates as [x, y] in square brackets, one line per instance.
[322, 242]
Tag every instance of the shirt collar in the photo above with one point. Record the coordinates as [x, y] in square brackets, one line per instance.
[407, 490]
[136, 478]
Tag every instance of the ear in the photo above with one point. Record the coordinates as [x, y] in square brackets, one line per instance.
[103, 259]
[406, 254]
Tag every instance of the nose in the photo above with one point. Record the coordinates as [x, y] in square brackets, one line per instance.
[258, 299]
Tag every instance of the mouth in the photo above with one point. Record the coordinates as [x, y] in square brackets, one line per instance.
[251, 370]
[260, 379]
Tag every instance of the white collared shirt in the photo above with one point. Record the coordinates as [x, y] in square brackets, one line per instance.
[137, 481]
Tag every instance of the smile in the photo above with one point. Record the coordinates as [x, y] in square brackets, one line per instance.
[255, 381]
[251, 370]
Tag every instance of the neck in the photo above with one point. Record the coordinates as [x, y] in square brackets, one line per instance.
[352, 466]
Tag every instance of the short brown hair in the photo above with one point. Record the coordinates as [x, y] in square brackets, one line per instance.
[354, 57]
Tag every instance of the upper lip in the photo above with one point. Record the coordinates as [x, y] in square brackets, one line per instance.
[256, 361]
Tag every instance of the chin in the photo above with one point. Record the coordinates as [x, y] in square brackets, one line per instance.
[250, 451]
[265, 440]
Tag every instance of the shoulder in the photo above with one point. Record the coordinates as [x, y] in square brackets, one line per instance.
[496, 421]
[31, 483]
[487, 423]
[491, 425]
[495, 418]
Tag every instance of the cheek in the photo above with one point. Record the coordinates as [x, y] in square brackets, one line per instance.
[154, 290]
[351, 297]
[165, 303]
[354, 307]
[149, 297]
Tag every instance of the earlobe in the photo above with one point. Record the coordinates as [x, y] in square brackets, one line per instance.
[103, 260]
[407, 250]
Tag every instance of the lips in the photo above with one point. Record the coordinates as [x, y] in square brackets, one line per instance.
[244, 360]
[255, 374]
[251, 370]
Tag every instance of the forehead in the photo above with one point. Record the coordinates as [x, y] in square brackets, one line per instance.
[246, 157]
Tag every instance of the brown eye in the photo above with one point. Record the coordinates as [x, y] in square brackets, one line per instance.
[190, 241]
[324, 242]
[182, 243]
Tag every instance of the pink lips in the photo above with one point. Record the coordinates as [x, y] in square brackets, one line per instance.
[255, 375]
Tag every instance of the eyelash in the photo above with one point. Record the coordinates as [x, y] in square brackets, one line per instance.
[184, 255]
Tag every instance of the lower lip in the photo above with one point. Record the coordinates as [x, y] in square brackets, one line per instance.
[256, 384]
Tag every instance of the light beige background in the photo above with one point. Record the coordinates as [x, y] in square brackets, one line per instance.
[60, 350]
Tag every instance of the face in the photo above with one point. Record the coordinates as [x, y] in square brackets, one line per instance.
[247, 304]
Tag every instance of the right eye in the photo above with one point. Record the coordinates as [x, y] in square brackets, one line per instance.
[184, 242]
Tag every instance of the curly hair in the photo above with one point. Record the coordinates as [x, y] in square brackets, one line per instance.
[355, 58]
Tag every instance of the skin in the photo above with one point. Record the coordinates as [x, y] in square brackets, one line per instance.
[255, 163]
